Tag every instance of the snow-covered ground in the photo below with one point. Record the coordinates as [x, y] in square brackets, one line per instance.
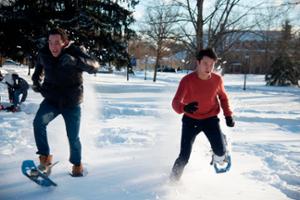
[130, 137]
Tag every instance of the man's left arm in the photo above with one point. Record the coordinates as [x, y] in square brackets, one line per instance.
[223, 97]
[81, 59]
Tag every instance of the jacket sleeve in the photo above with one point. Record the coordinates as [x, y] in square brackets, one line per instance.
[224, 99]
[37, 76]
[177, 103]
[86, 62]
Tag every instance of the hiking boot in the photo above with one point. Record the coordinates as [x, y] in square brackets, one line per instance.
[45, 163]
[219, 159]
[77, 170]
[44, 166]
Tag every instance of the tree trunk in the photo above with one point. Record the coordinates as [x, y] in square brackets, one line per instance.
[158, 55]
[199, 31]
[156, 65]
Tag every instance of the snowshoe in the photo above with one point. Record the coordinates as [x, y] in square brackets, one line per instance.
[222, 164]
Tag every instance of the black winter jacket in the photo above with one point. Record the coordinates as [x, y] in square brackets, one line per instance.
[60, 79]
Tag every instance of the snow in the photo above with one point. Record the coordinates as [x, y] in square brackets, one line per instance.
[130, 137]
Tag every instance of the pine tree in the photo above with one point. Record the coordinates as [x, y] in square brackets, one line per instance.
[102, 26]
[283, 72]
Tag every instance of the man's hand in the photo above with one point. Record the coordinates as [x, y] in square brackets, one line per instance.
[67, 59]
[229, 121]
[191, 107]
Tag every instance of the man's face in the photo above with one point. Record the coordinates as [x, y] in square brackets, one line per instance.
[56, 44]
[205, 66]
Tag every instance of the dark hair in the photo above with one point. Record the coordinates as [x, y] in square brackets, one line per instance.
[59, 31]
[207, 52]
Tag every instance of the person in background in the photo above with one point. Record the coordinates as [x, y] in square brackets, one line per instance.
[16, 87]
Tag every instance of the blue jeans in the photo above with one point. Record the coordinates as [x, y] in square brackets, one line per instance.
[71, 115]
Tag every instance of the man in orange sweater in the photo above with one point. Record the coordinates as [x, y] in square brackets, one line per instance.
[200, 96]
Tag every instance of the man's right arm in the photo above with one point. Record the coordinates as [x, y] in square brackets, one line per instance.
[177, 103]
[37, 76]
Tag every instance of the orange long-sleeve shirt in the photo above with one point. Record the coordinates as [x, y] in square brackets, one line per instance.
[209, 94]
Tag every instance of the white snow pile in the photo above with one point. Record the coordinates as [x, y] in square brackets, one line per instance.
[130, 138]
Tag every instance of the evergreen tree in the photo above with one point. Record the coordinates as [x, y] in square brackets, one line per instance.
[102, 26]
[283, 72]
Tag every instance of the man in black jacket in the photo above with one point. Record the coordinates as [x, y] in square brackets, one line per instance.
[58, 77]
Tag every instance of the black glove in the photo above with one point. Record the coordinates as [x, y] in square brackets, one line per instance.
[229, 121]
[67, 59]
[37, 88]
[191, 107]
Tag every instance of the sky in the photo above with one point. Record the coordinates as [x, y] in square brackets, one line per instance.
[293, 14]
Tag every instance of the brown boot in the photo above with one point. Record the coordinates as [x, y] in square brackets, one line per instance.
[44, 166]
[45, 162]
[77, 170]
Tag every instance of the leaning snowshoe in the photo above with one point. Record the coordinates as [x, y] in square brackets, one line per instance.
[222, 164]
[31, 171]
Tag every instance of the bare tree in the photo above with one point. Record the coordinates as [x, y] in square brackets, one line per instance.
[160, 27]
[210, 27]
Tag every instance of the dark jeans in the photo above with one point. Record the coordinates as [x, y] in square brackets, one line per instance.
[16, 97]
[45, 114]
[190, 129]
